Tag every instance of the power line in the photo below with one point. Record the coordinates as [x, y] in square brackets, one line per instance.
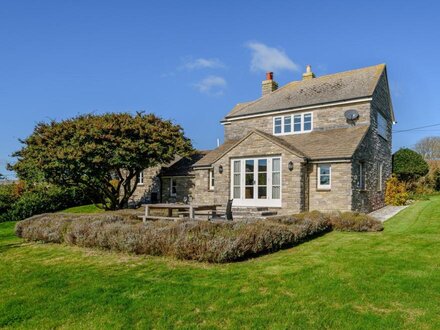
[415, 128]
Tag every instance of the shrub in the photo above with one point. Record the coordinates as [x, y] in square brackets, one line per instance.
[352, 221]
[395, 193]
[41, 199]
[192, 240]
[436, 179]
[408, 165]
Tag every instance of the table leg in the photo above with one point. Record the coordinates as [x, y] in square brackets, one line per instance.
[170, 212]
[147, 213]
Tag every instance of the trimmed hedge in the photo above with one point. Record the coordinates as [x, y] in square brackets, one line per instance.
[217, 242]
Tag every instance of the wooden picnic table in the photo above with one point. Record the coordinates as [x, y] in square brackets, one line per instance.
[191, 209]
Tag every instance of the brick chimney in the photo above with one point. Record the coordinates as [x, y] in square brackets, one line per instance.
[308, 74]
[269, 85]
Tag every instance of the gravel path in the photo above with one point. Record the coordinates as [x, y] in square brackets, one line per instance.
[386, 212]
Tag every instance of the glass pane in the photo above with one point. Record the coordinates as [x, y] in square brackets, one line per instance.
[262, 193]
[276, 192]
[275, 178]
[237, 166]
[324, 180]
[262, 179]
[249, 179]
[236, 192]
[297, 123]
[249, 165]
[275, 165]
[324, 170]
[236, 179]
[308, 122]
[262, 165]
[287, 124]
[277, 125]
[249, 192]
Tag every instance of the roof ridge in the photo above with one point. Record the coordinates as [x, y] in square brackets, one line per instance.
[380, 68]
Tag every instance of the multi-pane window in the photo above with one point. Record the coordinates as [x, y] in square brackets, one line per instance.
[324, 176]
[211, 179]
[236, 179]
[277, 125]
[362, 175]
[276, 178]
[382, 126]
[291, 124]
[141, 178]
[173, 187]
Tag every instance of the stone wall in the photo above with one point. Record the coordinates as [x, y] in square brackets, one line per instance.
[201, 193]
[323, 118]
[374, 150]
[184, 189]
[150, 188]
[338, 198]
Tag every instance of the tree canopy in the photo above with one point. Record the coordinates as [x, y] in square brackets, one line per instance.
[429, 147]
[409, 165]
[102, 153]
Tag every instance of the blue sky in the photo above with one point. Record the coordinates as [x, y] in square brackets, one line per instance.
[192, 61]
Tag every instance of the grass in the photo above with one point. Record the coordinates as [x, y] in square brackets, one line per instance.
[341, 280]
[84, 209]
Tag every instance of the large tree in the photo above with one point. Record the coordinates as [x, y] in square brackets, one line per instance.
[102, 153]
[429, 147]
[408, 165]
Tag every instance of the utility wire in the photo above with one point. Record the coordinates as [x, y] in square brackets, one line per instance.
[415, 128]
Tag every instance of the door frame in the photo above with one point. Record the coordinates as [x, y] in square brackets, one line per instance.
[255, 202]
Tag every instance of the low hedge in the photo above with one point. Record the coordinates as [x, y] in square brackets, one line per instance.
[217, 242]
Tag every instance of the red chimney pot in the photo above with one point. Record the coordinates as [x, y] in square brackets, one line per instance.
[269, 75]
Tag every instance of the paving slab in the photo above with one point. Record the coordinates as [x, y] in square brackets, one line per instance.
[386, 212]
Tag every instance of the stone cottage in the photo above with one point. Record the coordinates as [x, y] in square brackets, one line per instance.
[321, 143]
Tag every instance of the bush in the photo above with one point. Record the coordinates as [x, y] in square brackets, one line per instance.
[351, 221]
[192, 240]
[41, 199]
[408, 165]
[395, 192]
[436, 179]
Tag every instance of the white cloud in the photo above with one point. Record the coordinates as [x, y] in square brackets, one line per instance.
[265, 58]
[202, 63]
[211, 85]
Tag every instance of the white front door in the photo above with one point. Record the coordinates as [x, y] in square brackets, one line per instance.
[256, 181]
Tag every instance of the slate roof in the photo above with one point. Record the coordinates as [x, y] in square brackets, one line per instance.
[340, 143]
[343, 86]
[182, 166]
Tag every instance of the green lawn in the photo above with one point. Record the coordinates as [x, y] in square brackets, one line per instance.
[340, 280]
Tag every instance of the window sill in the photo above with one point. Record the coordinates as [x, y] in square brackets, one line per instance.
[323, 189]
[141, 184]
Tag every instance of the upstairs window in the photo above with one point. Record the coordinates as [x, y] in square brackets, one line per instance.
[382, 126]
[293, 124]
[141, 178]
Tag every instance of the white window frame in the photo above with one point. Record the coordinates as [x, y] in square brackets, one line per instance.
[380, 176]
[211, 179]
[382, 126]
[324, 186]
[268, 202]
[292, 123]
[141, 178]
[173, 182]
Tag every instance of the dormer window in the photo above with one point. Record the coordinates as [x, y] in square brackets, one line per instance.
[293, 124]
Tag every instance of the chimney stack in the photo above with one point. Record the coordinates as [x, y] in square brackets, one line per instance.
[308, 74]
[269, 85]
